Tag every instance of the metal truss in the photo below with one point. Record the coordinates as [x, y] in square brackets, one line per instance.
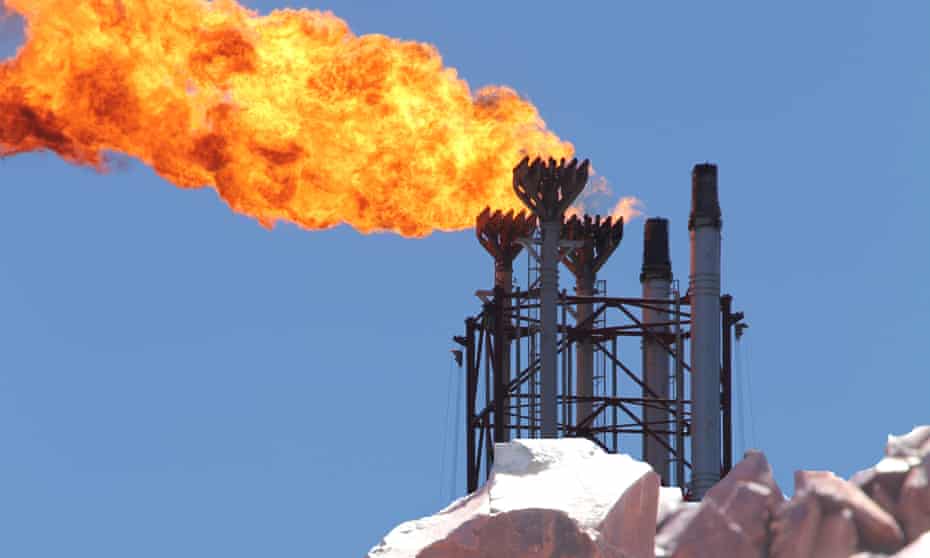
[502, 363]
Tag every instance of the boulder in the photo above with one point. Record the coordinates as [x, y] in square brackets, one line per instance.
[754, 467]
[563, 497]
[731, 520]
[915, 443]
[878, 530]
[620, 533]
[525, 533]
[674, 528]
[670, 501]
[837, 536]
[919, 548]
[913, 509]
[795, 527]
[886, 476]
[407, 539]
[702, 532]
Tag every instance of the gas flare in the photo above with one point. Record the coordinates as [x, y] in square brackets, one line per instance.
[289, 116]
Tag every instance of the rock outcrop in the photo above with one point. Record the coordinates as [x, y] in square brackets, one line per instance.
[567, 498]
[733, 518]
[544, 498]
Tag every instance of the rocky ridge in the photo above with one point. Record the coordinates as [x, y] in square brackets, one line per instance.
[567, 498]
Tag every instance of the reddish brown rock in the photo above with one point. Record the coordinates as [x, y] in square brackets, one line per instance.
[523, 533]
[795, 527]
[707, 532]
[878, 530]
[885, 501]
[754, 467]
[913, 508]
[621, 531]
[886, 476]
[733, 518]
[674, 528]
[837, 537]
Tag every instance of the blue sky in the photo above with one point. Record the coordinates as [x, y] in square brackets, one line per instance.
[176, 380]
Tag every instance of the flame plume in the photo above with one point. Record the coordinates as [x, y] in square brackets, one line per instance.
[290, 116]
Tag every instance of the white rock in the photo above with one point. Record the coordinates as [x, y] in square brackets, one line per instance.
[570, 474]
[408, 538]
[562, 497]
[915, 443]
[920, 548]
[670, 500]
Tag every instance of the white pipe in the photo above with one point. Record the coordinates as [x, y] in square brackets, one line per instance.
[705, 225]
[656, 280]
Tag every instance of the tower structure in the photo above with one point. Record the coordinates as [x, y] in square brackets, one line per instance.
[648, 373]
[596, 241]
[499, 234]
[548, 189]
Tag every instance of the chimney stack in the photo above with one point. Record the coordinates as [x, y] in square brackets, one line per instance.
[705, 225]
[656, 279]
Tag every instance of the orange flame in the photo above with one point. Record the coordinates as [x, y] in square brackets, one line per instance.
[290, 116]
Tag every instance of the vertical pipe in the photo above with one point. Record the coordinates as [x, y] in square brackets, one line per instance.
[614, 391]
[679, 395]
[726, 376]
[584, 286]
[549, 286]
[518, 366]
[656, 280]
[533, 382]
[501, 377]
[566, 369]
[471, 389]
[704, 292]
[503, 288]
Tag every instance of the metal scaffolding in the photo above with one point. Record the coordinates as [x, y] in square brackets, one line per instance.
[500, 409]
[603, 396]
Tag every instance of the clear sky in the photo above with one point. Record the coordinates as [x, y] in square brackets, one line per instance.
[176, 380]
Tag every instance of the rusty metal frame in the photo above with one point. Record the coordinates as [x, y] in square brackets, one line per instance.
[503, 320]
